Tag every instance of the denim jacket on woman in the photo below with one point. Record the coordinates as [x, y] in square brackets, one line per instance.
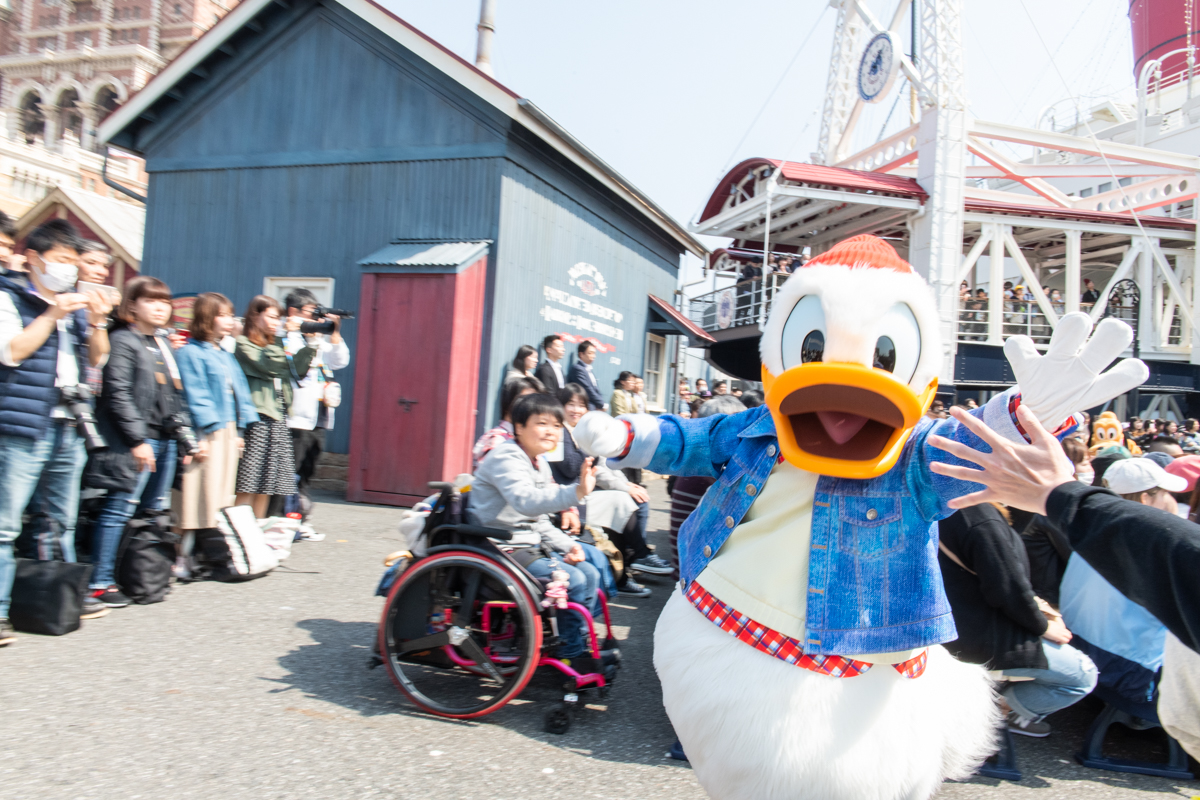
[209, 374]
[874, 584]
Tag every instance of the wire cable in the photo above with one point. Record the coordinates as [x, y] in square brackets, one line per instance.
[771, 96]
[1155, 254]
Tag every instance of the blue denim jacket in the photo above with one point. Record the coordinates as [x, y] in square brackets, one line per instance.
[208, 374]
[874, 584]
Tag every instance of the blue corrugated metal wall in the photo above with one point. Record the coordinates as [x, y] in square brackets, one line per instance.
[543, 234]
[329, 140]
[321, 88]
[224, 230]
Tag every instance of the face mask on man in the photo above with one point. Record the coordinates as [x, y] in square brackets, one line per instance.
[58, 277]
[1085, 475]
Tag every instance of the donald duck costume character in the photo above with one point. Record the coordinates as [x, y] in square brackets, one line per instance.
[801, 657]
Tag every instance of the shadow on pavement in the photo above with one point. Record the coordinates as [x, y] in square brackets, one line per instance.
[629, 726]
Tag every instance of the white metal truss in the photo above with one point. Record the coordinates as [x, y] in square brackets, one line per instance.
[936, 243]
[840, 90]
[1004, 226]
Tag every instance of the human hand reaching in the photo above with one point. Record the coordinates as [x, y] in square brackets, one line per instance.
[574, 555]
[1068, 377]
[587, 479]
[1019, 475]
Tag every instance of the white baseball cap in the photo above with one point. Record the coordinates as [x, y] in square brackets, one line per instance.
[1133, 475]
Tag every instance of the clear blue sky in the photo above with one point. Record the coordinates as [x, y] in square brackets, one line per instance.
[665, 91]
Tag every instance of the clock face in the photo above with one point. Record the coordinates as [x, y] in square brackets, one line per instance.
[877, 70]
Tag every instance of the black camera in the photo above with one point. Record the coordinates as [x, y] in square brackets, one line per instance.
[75, 398]
[175, 427]
[324, 325]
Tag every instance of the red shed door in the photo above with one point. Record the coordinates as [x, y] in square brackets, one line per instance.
[408, 366]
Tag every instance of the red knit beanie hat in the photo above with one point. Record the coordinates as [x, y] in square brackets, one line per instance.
[864, 250]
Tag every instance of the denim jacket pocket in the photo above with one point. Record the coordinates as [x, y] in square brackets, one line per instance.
[869, 527]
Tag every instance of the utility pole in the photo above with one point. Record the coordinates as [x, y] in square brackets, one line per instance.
[487, 29]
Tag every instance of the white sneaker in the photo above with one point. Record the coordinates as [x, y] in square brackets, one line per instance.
[308, 533]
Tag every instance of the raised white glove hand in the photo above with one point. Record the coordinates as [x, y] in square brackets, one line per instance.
[599, 434]
[1068, 379]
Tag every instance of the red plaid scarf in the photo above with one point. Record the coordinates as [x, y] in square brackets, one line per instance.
[785, 648]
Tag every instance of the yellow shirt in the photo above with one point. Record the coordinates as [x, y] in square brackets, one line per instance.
[762, 569]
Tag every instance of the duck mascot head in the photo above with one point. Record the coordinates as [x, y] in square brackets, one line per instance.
[850, 356]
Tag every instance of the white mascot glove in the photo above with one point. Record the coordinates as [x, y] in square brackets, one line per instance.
[1067, 379]
[599, 434]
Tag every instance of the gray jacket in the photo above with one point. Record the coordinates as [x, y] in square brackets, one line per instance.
[509, 492]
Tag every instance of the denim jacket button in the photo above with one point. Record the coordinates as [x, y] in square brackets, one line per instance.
[872, 513]
[707, 551]
[729, 522]
[770, 449]
[751, 490]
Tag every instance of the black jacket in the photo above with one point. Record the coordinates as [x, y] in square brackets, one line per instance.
[579, 374]
[545, 373]
[1150, 556]
[1048, 551]
[128, 396]
[998, 620]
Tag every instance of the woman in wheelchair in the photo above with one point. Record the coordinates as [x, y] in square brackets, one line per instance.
[514, 490]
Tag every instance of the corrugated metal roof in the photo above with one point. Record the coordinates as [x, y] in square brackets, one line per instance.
[815, 175]
[157, 96]
[125, 222]
[681, 323]
[1080, 214]
[426, 254]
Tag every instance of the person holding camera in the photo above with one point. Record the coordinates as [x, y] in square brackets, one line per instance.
[48, 332]
[218, 398]
[268, 464]
[317, 394]
[141, 415]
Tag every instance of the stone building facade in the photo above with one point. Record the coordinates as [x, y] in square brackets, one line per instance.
[64, 66]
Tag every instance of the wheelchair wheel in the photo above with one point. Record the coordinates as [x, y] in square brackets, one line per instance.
[460, 634]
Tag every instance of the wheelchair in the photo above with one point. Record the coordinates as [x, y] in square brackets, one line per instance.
[463, 628]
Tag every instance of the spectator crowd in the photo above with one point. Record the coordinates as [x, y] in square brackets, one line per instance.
[110, 418]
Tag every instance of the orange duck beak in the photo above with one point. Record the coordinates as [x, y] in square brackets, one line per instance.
[843, 420]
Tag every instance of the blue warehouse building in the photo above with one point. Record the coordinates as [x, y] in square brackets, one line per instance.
[328, 144]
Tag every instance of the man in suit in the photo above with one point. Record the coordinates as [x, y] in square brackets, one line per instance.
[550, 371]
[581, 373]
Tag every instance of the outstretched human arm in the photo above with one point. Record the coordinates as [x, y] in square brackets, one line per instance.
[1150, 556]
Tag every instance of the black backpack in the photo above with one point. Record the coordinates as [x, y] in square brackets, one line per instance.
[145, 558]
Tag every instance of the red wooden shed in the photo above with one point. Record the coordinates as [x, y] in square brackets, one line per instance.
[416, 388]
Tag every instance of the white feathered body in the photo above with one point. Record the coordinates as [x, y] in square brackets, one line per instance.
[757, 728]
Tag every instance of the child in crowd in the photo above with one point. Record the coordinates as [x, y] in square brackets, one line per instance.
[514, 490]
